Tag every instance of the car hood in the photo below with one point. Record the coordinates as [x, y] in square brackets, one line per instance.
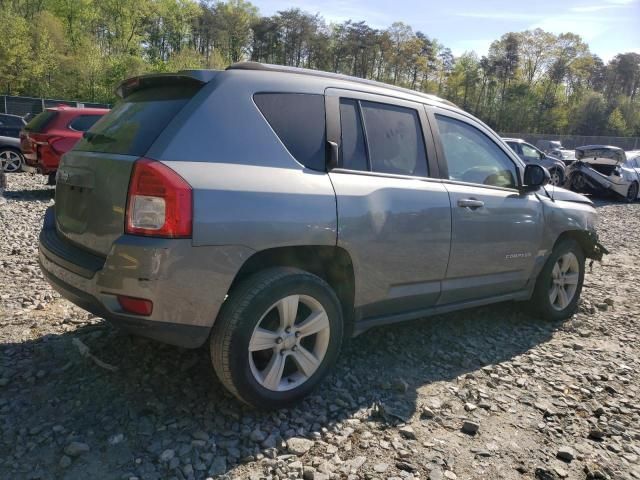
[557, 193]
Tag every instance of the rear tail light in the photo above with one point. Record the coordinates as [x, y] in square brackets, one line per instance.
[137, 306]
[159, 202]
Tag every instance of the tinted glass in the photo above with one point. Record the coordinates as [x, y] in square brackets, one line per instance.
[472, 156]
[84, 122]
[353, 153]
[135, 122]
[10, 121]
[514, 146]
[40, 121]
[299, 121]
[395, 139]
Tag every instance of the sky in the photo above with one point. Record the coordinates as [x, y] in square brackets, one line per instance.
[608, 26]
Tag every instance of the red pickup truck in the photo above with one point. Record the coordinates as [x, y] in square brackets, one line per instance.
[52, 133]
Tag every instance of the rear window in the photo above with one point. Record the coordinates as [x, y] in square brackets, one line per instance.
[40, 121]
[134, 123]
[299, 121]
[83, 123]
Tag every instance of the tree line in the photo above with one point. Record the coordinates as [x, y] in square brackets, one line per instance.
[531, 81]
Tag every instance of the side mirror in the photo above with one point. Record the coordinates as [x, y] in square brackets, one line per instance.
[535, 177]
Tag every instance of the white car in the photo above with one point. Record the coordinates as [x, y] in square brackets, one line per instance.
[603, 169]
[567, 156]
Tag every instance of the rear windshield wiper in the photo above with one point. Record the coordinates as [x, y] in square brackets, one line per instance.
[93, 137]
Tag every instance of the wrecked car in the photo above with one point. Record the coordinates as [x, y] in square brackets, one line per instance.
[603, 169]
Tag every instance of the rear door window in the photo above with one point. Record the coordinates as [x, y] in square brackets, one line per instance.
[394, 139]
[380, 137]
[514, 147]
[83, 123]
[298, 119]
[132, 126]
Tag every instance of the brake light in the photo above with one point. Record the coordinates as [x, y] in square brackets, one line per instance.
[137, 306]
[159, 202]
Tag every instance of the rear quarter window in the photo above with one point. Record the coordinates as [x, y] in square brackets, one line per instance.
[132, 126]
[82, 123]
[298, 119]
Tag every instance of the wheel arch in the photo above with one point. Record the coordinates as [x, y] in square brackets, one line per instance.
[10, 147]
[587, 240]
[332, 264]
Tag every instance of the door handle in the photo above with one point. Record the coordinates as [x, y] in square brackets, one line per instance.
[471, 203]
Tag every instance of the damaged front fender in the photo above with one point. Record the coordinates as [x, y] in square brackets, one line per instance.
[592, 246]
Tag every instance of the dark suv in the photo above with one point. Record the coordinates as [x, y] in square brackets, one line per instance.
[10, 125]
[273, 211]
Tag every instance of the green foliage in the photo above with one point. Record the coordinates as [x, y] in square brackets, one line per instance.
[616, 125]
[531, 81]
[590, 115]
[16, 63]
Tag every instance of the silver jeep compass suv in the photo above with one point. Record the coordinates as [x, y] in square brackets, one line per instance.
[275, 211]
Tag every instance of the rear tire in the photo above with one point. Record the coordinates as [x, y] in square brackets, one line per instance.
[559, 284]
[277, 336]
[557, 178]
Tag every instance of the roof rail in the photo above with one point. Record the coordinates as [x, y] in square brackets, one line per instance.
[267, 67]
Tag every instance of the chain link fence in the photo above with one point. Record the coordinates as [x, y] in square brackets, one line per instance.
[29, 105]
[572, 141]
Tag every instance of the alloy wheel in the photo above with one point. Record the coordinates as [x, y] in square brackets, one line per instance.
[556, 178]
[289, 343]
[564, 281]
[11, 160]
[632, 193]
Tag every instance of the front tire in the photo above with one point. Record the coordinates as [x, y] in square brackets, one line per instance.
[277, 336]
[559, 284]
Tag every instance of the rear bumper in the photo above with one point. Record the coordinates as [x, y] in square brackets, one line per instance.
[186, 284]
[33, 164]
[188, 336]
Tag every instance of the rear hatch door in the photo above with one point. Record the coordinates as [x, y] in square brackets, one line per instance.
[93, 178]
[33, 134]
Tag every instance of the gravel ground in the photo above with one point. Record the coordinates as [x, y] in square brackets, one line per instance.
[489, 393]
